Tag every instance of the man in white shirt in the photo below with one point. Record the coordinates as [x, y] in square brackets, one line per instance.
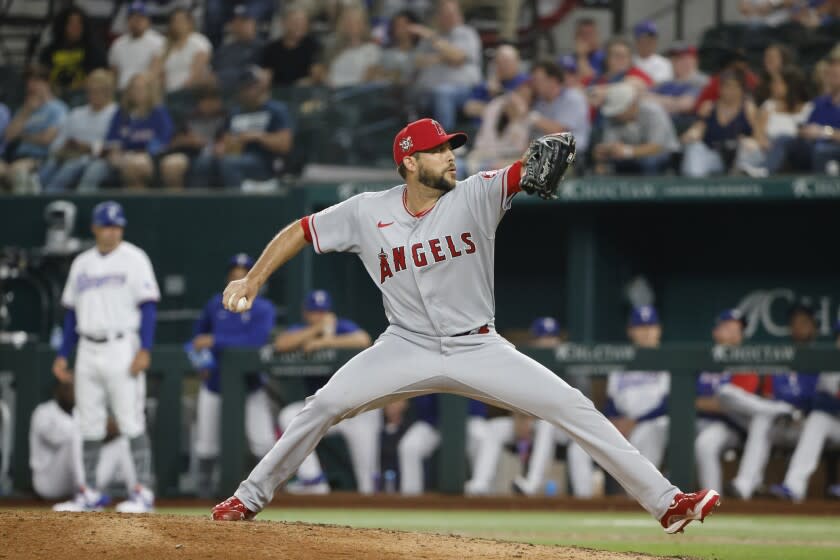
[449, 63]
[647, 59]
[81, 136]
[137, 50]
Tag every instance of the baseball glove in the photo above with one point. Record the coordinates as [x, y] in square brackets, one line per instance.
[545, 162]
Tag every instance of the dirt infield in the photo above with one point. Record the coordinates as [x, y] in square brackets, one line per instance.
[69, 536]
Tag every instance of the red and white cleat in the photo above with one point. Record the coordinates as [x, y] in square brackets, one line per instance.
[686, 508]
[232, 509]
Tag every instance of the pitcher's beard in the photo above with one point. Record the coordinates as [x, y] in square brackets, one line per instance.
[439, 182]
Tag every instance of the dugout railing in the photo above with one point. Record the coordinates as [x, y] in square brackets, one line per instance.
[30, 366]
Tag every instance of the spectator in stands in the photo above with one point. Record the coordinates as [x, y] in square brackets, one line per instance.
[137, 51]
[776, 57]
[647, 59]
[638, 137]
[735, 61]
[637, 401]
[558, 107]
[193, 138]
[768, 12]
[506, 77]
[140, 130]
[776, 125]
[819, 138]
[589, 56]
[29, 134]
[396, 65]
[294, 57]
[82, 136]
[219, 12]
[73, 52]
[352, 56]
[711, 142]
[243, 49]
[619, 68]
[322, 329]
[504, 133]
[449, 64]
[185, 60]
[570, 71]
[394, 425]
[679, 95]
[820, 13]
[258, 132]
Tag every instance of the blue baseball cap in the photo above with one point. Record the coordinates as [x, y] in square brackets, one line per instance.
[734, 314]
[138, 8]
[644, 315]
[241, 259]
[244, 11]
[645, 28]
[318, 300]
[545, 326]
[109, 213]
[568, 62]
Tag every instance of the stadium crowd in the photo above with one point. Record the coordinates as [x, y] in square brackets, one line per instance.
[200, 104]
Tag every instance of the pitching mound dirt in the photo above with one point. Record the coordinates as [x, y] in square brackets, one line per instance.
[69, 536]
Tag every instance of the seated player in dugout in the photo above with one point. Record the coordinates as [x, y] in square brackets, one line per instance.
[637, 401]
[724, 401]
[214, 331]
[323, 329]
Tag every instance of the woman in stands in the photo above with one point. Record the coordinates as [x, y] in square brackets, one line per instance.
[351, 56]
[776, 125]
[710, 143]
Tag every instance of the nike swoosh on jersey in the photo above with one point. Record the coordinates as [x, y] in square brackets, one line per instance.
[382, 224]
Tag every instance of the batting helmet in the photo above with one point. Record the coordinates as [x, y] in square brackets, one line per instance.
[109, 213]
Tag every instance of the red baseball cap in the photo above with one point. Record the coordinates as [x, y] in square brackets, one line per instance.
[422, 135]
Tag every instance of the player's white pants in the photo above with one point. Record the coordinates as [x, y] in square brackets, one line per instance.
[420, 441]
[500, 431]
[764, 431]
[402, 364]
[361, 434]
[819, 427]
[64, 474]
[259, 423]
[103, 382]
[713, 438]
[546, 436]
[650, 437]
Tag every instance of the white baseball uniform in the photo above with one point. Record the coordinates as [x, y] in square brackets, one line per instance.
[105, 291]
[642, 396]
[435, 271]
[820, 427]
[55, 454]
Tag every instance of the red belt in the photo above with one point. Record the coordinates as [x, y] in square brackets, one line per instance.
[483, 329]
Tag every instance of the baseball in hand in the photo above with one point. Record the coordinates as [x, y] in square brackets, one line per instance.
[242, 304]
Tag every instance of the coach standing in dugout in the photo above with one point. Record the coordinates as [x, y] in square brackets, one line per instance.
[216, 330]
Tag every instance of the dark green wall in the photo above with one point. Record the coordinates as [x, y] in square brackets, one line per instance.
[699, 258]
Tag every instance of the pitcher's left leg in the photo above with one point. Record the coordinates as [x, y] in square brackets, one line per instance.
[491, 369]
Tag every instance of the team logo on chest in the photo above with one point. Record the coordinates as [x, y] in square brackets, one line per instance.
[423, 254]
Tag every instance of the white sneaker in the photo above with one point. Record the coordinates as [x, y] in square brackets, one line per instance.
[141, 501]
[86, 500]
[472, 488]
[520, 485]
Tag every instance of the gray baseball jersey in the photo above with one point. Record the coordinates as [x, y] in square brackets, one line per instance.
[422, 265]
